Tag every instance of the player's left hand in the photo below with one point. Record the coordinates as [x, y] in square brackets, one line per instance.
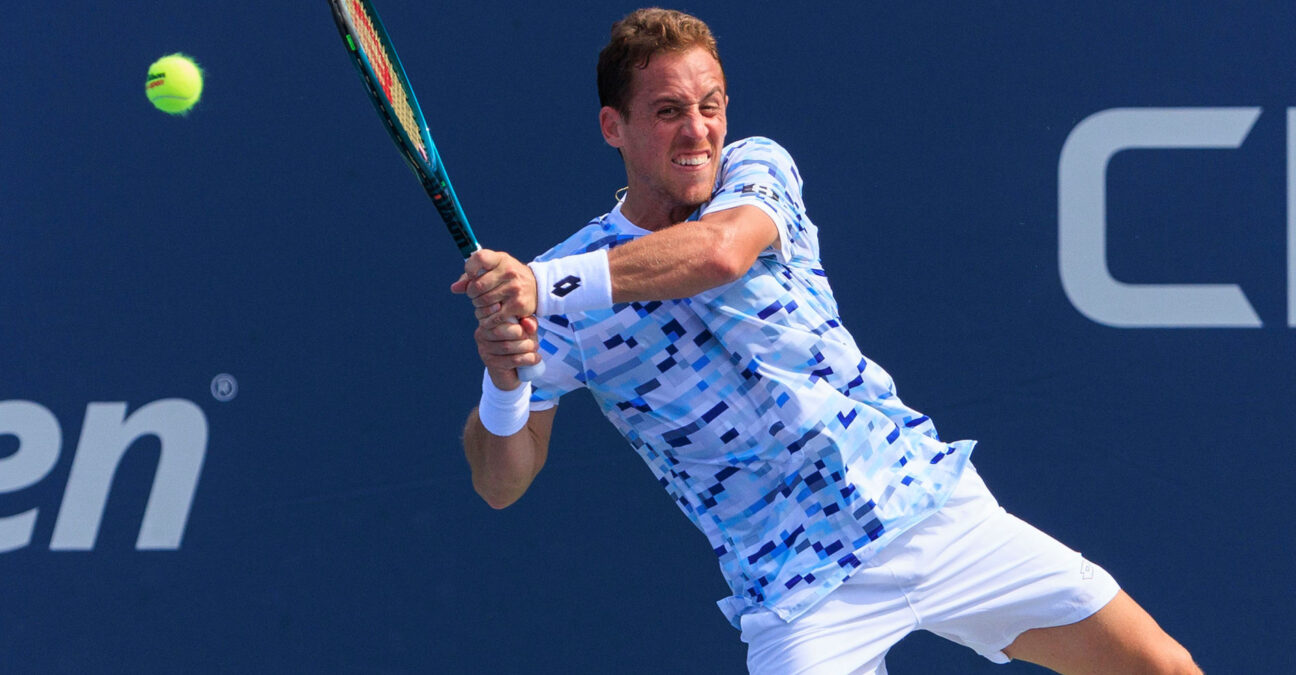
[499, 285]
[507, 346]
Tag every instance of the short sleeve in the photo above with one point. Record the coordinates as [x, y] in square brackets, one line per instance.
[759, 172]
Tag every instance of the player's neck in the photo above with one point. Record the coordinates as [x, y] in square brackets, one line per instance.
[653, 216]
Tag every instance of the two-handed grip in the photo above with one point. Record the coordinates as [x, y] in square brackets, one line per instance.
[524, 373]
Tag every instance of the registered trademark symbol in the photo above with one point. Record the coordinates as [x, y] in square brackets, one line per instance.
[224, 387]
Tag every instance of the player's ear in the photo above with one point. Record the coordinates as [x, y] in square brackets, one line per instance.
[610, 123]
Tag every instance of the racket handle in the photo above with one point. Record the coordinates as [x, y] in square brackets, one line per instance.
[528, 373]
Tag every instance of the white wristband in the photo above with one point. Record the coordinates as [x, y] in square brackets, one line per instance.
[575, 283]
[503, 413]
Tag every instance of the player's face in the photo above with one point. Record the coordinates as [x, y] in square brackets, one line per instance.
[672, 136]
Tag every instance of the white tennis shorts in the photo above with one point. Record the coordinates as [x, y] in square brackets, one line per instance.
[971, 573]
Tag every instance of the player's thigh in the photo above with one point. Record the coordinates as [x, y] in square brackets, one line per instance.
[1119, 638]
[849, 632]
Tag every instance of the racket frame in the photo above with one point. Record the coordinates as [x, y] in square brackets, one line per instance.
[425, 162]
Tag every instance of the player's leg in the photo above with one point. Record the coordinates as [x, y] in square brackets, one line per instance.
[1120, 638]
[1009, 591]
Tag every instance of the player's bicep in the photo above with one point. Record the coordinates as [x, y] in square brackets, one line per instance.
[747, 231]
[753, 225]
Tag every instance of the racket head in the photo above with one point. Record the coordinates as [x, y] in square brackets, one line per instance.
[389, 89]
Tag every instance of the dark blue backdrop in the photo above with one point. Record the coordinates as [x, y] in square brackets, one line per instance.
[274, 236]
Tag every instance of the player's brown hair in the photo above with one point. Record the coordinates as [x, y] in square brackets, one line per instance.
[635, 39]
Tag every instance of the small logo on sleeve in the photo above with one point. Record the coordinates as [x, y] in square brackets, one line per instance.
[763, 191]
[566, 285]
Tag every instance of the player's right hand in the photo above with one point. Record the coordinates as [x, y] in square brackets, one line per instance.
[499, 285]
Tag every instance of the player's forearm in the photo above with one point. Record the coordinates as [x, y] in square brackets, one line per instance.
[678, 262]
[503, 467]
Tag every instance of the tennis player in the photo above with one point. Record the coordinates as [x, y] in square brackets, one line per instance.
[699, 317]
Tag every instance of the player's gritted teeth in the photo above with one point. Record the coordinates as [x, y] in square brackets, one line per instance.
[692, 159]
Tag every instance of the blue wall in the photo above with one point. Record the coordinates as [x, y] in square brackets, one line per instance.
[272, 235]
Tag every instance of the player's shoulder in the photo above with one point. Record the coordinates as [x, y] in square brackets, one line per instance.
[757, 147]
[600, 233]
[760, 154]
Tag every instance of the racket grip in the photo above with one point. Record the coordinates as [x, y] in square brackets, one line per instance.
[528, 373]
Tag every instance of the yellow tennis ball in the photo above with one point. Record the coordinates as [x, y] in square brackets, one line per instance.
[174, 83]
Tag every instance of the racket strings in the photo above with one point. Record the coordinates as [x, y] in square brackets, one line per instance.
[393, 88]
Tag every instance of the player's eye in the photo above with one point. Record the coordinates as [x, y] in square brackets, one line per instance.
[668, 111]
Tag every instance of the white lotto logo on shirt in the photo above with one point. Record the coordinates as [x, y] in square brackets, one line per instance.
[1082, 218]
[107, 432]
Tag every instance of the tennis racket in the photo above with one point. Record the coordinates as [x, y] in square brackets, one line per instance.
[375, 58]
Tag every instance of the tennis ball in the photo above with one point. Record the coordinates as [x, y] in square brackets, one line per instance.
[174, 83]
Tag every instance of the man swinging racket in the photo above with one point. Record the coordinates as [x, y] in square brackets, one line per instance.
[699, 317]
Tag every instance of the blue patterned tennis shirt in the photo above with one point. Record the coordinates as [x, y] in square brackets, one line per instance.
[754, 407]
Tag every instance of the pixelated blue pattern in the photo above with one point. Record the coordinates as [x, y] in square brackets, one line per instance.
[754, 407]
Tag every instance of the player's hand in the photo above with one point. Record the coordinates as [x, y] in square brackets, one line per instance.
[505, 346]
[499, 286]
